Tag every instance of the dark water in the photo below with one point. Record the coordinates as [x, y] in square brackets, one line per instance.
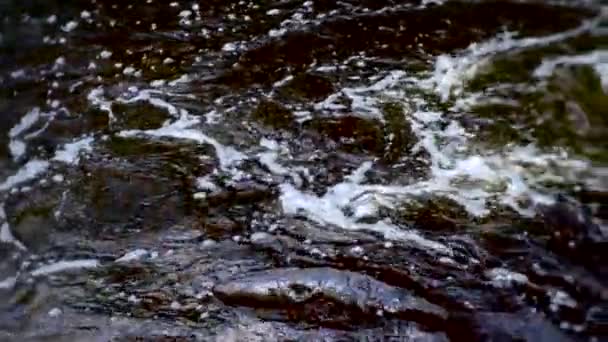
[303, 170]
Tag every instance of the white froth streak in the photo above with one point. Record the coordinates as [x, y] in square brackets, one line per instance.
[35, 167]
[329, 209]
[95, 97]
[451, 71]
[18, 134]
[69, 154]
[146, 95]
[597, 59]
[182, 129]
[29, 171]
[62, 266]
[133, 256]
[26, 122]
[8, 283]
[270, 157]
[361, 101]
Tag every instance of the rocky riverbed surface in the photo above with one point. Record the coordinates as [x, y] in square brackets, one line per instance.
[303, 170]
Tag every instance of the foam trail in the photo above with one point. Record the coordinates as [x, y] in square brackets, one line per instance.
[451, 71]
[29, 171]
[96, 98]
[6, 236]
[330, 209]
[360, 99]
[16, 146]
[597, 59]
[62, 266]
[26, 122]
[146, 95]
[182, 129]
[8, 283]
[70, 153]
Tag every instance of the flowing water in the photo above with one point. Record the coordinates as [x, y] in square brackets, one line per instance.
[303, 170]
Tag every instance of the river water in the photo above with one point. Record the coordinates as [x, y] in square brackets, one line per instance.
[303, 170]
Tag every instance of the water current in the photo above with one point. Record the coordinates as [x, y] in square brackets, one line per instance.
[303, 170]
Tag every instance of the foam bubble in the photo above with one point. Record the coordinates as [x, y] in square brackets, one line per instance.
[133, 256]
[26, 122]
[70, 153]
[29, 171]
[62, 266]
[8, 283]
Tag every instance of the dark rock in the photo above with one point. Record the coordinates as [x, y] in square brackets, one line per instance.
[32, 216]
[524, 326]
[597, 319]
[575, 235]
[309, 86]
[221, 227]
[352, 132]
[273, 114]
[292, 288]
[402, 137]
[139, 115]
[435, 214]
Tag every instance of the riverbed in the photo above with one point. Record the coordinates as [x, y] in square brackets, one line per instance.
[303, 170]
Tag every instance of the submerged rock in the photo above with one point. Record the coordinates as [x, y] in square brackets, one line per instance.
[574, 234]
[523, 326]
[273, 114]
[352, 132]
[327, 288]
[309, 86]
[139, 115]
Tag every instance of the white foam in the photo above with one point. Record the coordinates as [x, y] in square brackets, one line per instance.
[17, 148]
[182, 129]
[362, 103]
[69, 26]
[6, 236]
[597, 59]
[501, 277]
[70, 153]
[474, 179]
[96, 98]
[451, 71]
[559, 299]
[8, 283]
[204, 183]
[230, 47]
[295, 22]
[18, 74]
[134, 255]
[269, 159]
[331, 207]
[62, 266]
[55, 312]
[105, 54]
[29, 171]
[26, 122]
[147, 96]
